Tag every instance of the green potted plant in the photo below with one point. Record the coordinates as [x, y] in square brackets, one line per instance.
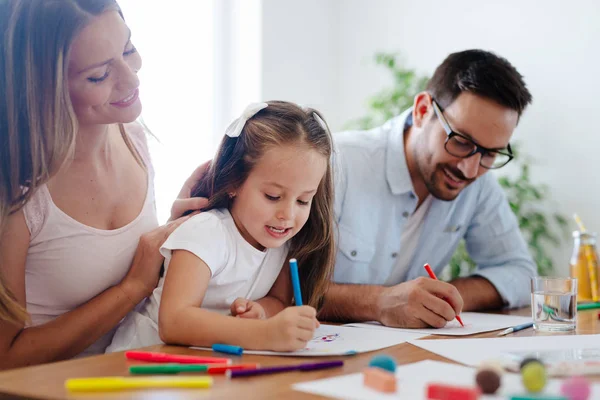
[540, 228]
[391, 101]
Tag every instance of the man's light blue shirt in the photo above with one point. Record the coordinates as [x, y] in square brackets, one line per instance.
[374, 197]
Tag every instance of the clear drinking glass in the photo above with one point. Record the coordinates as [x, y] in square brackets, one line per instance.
[554, 303]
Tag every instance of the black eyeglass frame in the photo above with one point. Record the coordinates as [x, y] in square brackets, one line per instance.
[476, 148]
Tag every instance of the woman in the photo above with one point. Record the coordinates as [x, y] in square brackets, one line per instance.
[79, 234]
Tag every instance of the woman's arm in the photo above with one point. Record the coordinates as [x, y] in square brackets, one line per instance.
[182, 321]
[64, 337]
[72, 332]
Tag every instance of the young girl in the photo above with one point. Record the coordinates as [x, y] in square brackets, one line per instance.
[270, 198]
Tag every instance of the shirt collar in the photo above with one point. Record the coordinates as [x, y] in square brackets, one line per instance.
[397, 174]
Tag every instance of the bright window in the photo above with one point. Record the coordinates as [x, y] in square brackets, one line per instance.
[201, 66]
[175, 40]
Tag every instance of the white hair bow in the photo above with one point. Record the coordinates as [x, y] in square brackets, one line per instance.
[235, 128]
[320, 121]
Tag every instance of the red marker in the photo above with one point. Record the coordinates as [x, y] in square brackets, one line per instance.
[432, 276]
[173, 358]
[439, 391]
[222, 369]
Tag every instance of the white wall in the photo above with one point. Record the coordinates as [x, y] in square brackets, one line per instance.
[237, 60]
[553, 43]
[177, 107]
[300, 53]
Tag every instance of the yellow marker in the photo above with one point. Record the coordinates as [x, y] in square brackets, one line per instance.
[590, 261]
[113, 383]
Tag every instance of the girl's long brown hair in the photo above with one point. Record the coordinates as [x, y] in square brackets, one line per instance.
[282, 123]
[37, 121]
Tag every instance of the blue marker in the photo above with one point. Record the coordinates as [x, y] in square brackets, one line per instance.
[295, 281]
[227, 348]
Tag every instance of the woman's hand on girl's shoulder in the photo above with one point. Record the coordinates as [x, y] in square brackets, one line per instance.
[244, 308]
[143, 274]
[184, 201]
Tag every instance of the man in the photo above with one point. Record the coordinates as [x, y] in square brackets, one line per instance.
[409, 191]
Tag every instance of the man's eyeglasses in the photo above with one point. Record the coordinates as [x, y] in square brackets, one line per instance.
[461, 146]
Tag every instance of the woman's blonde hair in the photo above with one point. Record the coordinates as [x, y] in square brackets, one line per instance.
[37, 121]
[282, 123]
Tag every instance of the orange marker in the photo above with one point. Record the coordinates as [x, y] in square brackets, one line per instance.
[432, 276]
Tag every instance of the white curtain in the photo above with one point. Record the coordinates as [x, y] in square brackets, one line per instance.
[201, 63]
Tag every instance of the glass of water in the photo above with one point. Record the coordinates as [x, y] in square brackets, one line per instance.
[554, 304]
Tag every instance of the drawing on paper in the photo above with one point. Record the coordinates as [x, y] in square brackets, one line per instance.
[326, 338]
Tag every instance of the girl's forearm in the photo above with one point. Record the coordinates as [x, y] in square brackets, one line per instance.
[271, 305]
[194, 326]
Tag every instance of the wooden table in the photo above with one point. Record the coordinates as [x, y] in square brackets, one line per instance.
[47, 381]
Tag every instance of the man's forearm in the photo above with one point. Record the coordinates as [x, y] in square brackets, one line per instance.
[345, 302]
[478, 293]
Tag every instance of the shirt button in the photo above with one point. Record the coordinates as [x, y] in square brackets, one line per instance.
[353, 253]
[394, 255]
[405, 214]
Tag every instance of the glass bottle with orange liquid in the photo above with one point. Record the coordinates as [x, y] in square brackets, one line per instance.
[584, 266]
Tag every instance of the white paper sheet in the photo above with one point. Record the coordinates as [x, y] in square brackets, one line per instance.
[474, 323]
[474, 351]
[330, 340]
[412, 380]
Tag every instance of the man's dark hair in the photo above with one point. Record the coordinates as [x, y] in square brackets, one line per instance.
[482, 73]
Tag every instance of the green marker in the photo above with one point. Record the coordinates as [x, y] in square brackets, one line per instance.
[537, 397]
[588, 306]
[149, 369]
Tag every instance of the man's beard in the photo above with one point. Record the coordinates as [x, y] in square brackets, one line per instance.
[434, 182]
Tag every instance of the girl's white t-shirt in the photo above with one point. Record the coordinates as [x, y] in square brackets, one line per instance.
[237, 270]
